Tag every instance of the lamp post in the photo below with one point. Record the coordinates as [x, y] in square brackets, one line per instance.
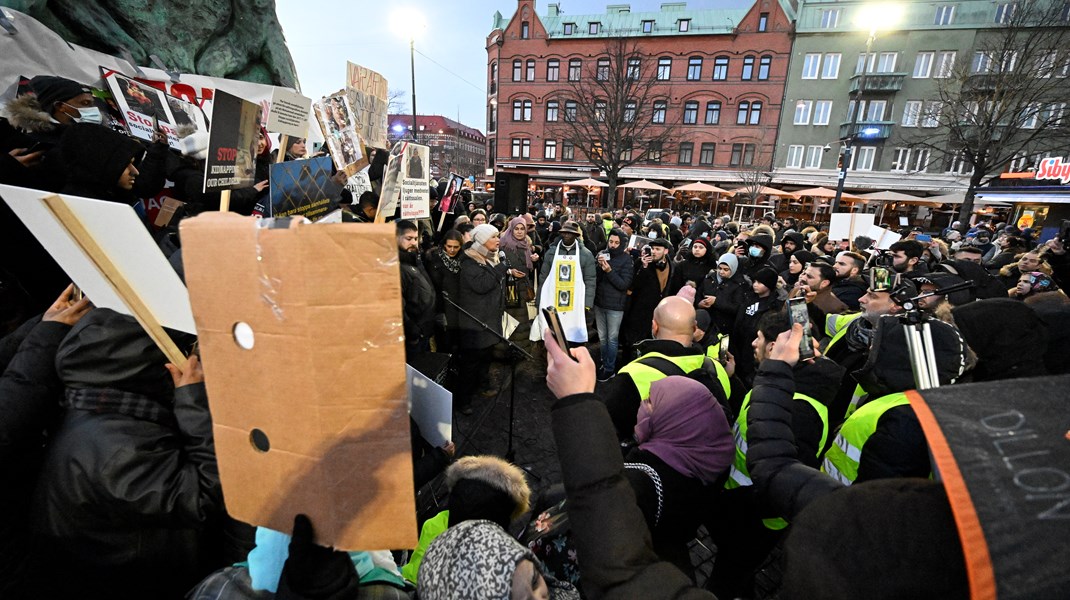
[872, 17]
[407, 23]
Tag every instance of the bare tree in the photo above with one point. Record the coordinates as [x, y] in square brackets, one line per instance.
[616, 112]
[395, 102]
[754, 170]
[1006, 101]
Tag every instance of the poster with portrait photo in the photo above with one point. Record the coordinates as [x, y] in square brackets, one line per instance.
[415, 187]
[335, 118]
[232, 143]
[143, 107]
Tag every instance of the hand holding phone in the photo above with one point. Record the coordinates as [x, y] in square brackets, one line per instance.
[553, 321]
[797, 313]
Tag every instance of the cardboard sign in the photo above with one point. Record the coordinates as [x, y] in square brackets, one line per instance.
[232, 144]
[1002, 449]
[288, 113]
[367, 94]
[301, 187]
[335, 118]
[431, 406]
[146, 109]
[322, 429]
[846, 226]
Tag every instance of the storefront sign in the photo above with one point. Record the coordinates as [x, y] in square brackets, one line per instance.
[1054, 168]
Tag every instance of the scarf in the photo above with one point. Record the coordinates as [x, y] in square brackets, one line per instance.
[106, 400]
[481, 255]
[511, 244]
[684, 426]
[453, 265]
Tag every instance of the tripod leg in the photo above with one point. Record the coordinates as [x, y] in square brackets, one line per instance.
[930, 355]
[918, 362]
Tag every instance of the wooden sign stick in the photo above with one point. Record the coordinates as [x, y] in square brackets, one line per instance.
[224, 201]
[122, 287]
[283, 141]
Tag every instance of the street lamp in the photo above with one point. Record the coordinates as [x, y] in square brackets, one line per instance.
[408, 23]
[871, 18]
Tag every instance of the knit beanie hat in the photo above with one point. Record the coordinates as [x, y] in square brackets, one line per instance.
[481, 235]
[50, 89]
[767, 277]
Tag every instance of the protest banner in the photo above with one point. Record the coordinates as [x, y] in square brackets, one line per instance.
[145, 110]
[298, 436]
[390, 191]
[450, 198]
[288, 114]
[882, 238]
[845, 226]
[301, 188]
[107, 252]
[335, 118]
[415, 187]
[232, 144]
[367, 94]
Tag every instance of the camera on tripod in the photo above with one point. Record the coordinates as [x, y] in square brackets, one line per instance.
[881, 258]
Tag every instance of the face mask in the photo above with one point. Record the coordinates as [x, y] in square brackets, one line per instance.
[88, 115]
[754, 251]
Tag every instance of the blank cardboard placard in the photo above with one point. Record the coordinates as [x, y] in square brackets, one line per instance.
[847, 226]
[431, 406]
[122, 236]
[320, 382]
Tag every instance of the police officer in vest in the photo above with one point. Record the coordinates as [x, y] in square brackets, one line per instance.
[743, 532]
[672, 351]
[882, 437]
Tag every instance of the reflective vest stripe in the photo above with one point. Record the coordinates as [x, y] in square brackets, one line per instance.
[722, 375]
[857, 398]
[836, 326]
[831, 469]
[644, 375]
[845, 454]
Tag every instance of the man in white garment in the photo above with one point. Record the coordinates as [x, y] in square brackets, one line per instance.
[567, 282]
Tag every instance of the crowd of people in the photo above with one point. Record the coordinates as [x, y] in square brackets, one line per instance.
[683, 400]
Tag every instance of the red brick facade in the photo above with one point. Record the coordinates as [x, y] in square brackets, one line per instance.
[732, 143]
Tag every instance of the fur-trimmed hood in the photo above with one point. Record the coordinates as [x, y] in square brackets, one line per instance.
[26, 113]
[496, 473]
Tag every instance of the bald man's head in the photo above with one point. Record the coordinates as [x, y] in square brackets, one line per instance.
[674, 319]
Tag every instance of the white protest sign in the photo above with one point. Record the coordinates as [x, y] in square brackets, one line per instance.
[845, 226]
[883, 238]
[415, 188]
[431, 406]
[288, 113]
[123, 238]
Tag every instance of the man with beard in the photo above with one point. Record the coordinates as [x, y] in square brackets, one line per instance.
[849, 287]
[568, 266]
[788, 245]
[906, 257]
[653, 274]
[615, 272]
[417, 293]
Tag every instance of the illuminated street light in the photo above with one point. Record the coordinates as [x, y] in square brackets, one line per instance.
[408, 23]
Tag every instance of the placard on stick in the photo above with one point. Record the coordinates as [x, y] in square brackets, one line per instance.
[144, 107]
[846, 226]
[288, 114]
[335, 118]
[301, 187]
[232, 144]
[323, 429]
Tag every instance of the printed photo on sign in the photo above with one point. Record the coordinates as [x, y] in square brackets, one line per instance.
[415, 189]
[391, 189]
[302, 187]
[564, 300]
[232, 143]
[335, 118]
[564, 273]
[145, 109]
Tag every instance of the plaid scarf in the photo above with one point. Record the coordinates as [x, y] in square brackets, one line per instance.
[106, 400]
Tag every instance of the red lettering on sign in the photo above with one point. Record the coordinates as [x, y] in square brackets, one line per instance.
[227, 154]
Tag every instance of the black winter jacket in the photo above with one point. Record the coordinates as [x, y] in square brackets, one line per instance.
[849, 290]
[611, 289]
[417, 297]
[480, 293]
[730, 293]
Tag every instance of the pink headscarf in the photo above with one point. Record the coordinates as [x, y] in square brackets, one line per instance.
[509, 241]
[684, 426]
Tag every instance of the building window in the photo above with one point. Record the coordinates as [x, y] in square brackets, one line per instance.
[601, 72]
[862, 157]
[521, 110]
[748, 68]
[530, 71]
[802, 112]
[648, 26]
[492, 153]
[901, 160]
[887, 61]
[705, 156]
[830, 18]
[521, 148]
[1029, 116]
[982, 63]
[551, 111]
[694, 68]
[813, 157]
[931, 113]
[664, 68]
[720, 68]
[923, 65]
[713, 112]
[549, 152]
[600, 111]
[831, 69]
[629, 111]
[634, 69]
[750, 113]
[492, 118]
[921, 160]
[763, 22]
[568, 151]
[944, 64]
[524, 30]
[945, 14]
[574, 67]
[553, 70]
[569, 28]
[957, 164]
[874, 110]
[518, 66]
[626, 150]
[686, 150]
[570, 111]
[911, 113]
[658, 114]
[493, 77]
[822, 112]
[1005, 12]
[795, 157]
[811, 66]
[763, 67]
[653, 153]
[690, 113]
[742, 155]
[684, 25]
[592, 28]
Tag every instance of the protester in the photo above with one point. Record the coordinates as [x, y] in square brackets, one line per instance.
[568, 282]
[722, 292]
[417, 292]
[761, 298]
[697, 262]
[482, 296]
[520, 258]
[615, 273]
[653, 272]
[444, 268]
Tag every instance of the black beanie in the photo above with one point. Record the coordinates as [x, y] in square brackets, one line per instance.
[767, 277]
[50, 89]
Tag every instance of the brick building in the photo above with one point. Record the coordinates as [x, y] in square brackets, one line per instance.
[723, 70]
[455, 147]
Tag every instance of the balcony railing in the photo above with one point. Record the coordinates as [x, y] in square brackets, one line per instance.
[889, 83]
[867, 130]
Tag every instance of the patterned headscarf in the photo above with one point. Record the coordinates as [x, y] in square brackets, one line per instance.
[475, 560]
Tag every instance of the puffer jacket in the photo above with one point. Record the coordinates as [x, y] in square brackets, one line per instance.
[481, 293]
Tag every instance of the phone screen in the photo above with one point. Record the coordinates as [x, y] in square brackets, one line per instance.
[798, 314]
[923, 237]
[556, 331]
[722, 351]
